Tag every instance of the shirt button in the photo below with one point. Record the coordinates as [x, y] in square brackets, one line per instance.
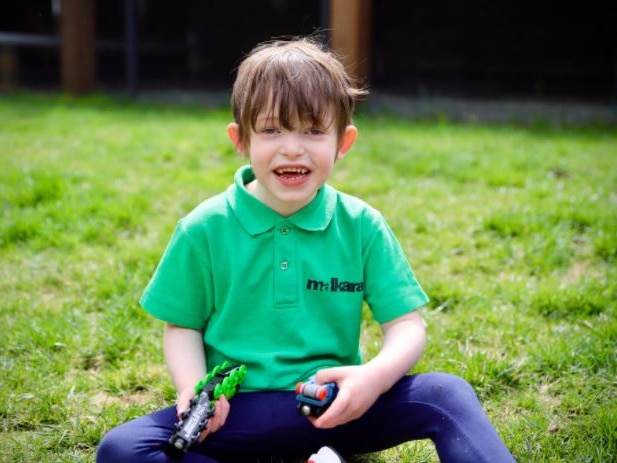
[284, 230]
[284, 265]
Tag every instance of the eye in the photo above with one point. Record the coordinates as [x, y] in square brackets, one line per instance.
[269, 130]
[314, 131]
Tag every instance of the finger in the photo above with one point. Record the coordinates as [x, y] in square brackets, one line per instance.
[335, 414]
[223, 405]
[212, 425]
[328, 420]
[217, 420]
[328, 375]
[182, 405]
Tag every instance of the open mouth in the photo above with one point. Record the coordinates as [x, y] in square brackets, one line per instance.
[292, 174]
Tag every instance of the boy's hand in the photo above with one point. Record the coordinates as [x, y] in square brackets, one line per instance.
[360, 386]
[221, 410]
[357, 393]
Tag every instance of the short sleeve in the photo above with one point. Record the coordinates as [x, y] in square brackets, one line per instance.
[180, 291]
[391, 288]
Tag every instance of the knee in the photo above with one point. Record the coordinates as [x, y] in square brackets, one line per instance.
[114, 447]
[450, 391]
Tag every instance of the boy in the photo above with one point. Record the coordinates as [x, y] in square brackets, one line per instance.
[273, 274]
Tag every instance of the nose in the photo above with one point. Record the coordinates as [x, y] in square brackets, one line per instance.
[292, 145]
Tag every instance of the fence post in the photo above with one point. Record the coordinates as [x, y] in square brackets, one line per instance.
[350, 35]
[78, 46]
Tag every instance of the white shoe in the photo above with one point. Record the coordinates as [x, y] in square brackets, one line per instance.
[326, 455]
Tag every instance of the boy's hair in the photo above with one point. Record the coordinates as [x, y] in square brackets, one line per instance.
[299, 78]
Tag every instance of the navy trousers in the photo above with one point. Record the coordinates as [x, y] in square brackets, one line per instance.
[265, 427]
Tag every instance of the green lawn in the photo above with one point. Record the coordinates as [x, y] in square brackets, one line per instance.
[512, 230]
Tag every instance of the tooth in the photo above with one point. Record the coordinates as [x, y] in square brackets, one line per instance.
[292, 170]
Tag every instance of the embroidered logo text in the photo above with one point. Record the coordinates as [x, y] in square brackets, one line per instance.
[335, 285]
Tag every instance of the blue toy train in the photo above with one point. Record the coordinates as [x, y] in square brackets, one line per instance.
[313, 399]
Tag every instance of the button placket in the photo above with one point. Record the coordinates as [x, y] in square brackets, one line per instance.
[285, 274]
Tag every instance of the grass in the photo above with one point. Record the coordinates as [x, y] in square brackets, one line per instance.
[511, 229]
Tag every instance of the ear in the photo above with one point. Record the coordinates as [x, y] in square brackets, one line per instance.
[233, 132]
[347, 141]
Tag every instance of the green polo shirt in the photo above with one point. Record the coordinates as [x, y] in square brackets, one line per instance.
[282, 295]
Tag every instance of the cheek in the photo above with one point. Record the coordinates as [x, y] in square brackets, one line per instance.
[257, 157]
[326, 164]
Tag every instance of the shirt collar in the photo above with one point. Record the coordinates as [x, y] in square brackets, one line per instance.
[258, 218]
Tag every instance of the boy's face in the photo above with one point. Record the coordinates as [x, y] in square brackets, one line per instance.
[290, 165]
